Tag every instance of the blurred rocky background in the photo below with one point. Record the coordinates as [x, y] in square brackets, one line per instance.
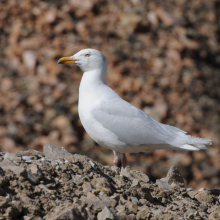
[164, 57]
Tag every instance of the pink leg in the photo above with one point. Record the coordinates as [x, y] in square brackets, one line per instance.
[116, 159]
[123, 162]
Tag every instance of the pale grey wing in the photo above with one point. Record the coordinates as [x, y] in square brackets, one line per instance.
[131, 125]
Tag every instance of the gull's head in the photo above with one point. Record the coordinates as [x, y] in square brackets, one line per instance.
[87, 60]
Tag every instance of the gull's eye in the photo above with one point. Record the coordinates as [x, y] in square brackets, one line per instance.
[87, 55]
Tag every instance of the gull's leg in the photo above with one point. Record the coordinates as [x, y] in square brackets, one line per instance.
[116, 159]
[123, 162]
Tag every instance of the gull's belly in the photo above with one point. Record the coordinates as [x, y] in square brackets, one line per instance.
[108, 139]
[99, 134]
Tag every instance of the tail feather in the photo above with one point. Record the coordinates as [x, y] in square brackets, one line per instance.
[190, 147]
[195, 143]
[199, 142]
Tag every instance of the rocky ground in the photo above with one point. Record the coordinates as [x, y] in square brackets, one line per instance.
[163, 56]
[59, 185]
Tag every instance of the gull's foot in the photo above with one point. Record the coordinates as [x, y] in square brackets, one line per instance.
[123, 162]
[116, 159]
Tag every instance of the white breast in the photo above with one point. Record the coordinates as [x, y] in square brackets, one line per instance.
[89, 97]
[97, 132]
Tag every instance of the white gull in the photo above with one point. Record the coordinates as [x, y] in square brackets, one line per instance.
[116, 124]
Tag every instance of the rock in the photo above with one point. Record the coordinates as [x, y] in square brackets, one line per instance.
[144, 213]
[35, 170]
[173, 176]
[7, 162]
[108, 202]
[55, 153]
[133, 207]
[27, 155]
[102, 184]
[3, 180]
[10, 156]
[18, 170]
[163, 185]
[144, 192]
[36, 153]
[9, 213]
[214, 216]
[211, 217]
[36, 218]
[77, 179]
[94, 201]
[204, 197]
[122, 215]
[192, 194]
[161, 196]
[131, 217]
[1, 192]
[134, 200]
[156, 212]
[75, 212]
[87, 187]
[143, 201]
[2, 172]
[14, 210]
[46, 190]
[120, 208]
[21, 155]
[116, 197]
[105, 214]
[175, 186]
[135, 182]
[203, 208]
[4, 202]
[27, 158]
[17, 206]
[134, 174]
[33, 180]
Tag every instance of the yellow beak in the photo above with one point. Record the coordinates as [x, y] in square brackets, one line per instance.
[66, 60]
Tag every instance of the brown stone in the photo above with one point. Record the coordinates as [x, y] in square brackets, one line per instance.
[134, 174]
[18, 170]
[173, 175]
[204, 197]
[109, 202]
[132, 207]
[163, 184]
[7, 162]
[105, 214]
[35, 170]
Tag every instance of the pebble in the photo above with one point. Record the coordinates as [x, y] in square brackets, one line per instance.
[163, 185]
[135, 182]
[105, 214]
[173, 176]
[27, 158]
[58, 167]
[18, 170]
[91, 164]
[35, 170]
[33, 180]
[134, 200]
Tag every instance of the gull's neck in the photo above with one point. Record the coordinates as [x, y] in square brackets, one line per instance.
[93, 79]
[91, 86]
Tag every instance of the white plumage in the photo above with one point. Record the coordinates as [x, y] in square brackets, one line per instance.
[116, 124]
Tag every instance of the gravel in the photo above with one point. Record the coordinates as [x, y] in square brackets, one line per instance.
[84, 189]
